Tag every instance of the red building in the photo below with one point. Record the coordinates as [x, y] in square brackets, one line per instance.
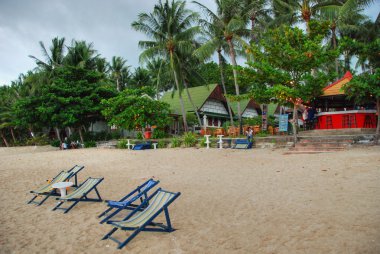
[336, 111]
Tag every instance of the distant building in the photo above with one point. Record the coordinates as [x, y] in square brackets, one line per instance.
[211, 105]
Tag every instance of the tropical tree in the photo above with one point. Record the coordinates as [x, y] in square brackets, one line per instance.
[117, 66]
[213, 41]
[54, 58]
[132, 109]
[81, 54]
[365, 88]
[228, 20]
[283, 66]
[300, 10]
[170, 28]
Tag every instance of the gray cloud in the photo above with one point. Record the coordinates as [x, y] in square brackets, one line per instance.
[23, 23]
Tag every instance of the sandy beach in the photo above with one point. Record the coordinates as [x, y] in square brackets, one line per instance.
[256, 201]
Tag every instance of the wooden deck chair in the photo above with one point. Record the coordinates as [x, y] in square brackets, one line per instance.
[74, 171]
[138, 220]
[80, 194]
[140, 193]
[47, 190]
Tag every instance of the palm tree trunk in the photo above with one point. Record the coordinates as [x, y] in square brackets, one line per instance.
[4, 138]
[346, 61]
[81, 135]
[333, 29]
[192, 103]
[179, 93]
[224, 85]
[13, 135]
[253, 19]
[57, 133]
[377, 136]
[233, 60]
[295, 123]
[117, 85]
[234, 64]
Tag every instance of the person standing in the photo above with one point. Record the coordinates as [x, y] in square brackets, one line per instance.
[249, 134]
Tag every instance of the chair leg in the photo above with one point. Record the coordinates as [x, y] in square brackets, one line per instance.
[168, 223]
[31, 201]
[109, 233]
[133, 235]
[97, 193]
[70, 207]
[57, 206]
[43, 200]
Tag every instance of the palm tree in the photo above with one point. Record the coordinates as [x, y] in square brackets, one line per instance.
[53, 58]
[81, 54]
[255, 11]
[170, 26]
[117, 65]
[300, 10]
[213, 41]
[229, 20]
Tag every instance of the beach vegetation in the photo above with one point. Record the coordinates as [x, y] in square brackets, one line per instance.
[189, 139]
[175, 142]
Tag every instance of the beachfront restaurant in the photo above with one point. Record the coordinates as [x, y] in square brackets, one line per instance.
[336, 111]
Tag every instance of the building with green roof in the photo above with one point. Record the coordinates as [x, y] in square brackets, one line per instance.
[210, 103]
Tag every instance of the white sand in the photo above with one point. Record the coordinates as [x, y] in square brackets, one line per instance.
[257, 201]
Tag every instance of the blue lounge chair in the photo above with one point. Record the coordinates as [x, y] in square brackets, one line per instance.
[138, 220]
[140, 193]
[242, 144]
[142, 146]
[80, 194]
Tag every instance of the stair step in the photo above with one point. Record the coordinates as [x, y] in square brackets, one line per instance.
[317, 149]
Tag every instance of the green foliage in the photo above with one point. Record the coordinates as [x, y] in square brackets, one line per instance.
[283, 65]
[364, 88]
[262, 134]
[203, 142]
[175, 142]
[55, 143]
[257, 120]
[157, 134]
[133, 109]
[89, 144]
[271, 120]
[189, 139]
[139, 135]
[122, 144]
[38, 141]
[162, 144]
[191, 119]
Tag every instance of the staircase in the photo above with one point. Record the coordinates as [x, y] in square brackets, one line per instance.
[321, 141]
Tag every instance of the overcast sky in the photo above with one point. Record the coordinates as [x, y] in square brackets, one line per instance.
[106, 23]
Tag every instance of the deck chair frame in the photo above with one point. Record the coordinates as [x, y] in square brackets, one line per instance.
[83, 198]
[140, 193]
[154, 227]
[53, 192]
[75, 174]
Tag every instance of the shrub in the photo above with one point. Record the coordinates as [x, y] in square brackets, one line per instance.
[139, 135]
[122, 144]
[88, 144]
[262, 134]
[189, 139]
[157, 134]
[115, 135]
[175, 142]
[161, 144]
[55, 143]
[38, 141]
[203, 142]
[257, 120]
